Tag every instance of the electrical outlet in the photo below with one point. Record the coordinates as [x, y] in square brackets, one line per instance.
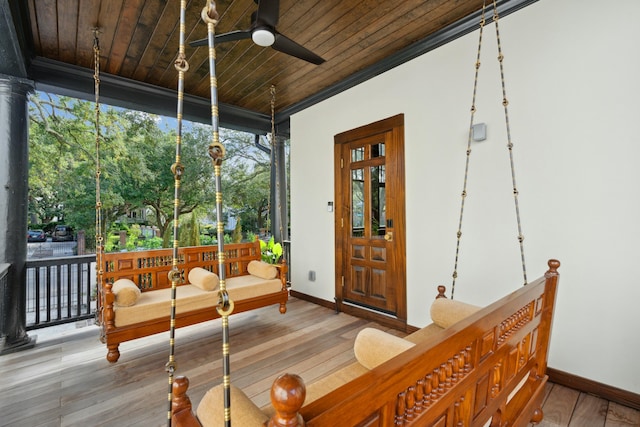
[312, 276]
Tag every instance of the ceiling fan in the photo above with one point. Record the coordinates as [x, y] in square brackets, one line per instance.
[263, 33]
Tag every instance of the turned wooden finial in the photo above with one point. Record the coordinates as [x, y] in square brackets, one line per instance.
[553, 264]
[287, 396]
[441, 291]
[180, 400]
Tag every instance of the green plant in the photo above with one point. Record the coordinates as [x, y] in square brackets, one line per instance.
[270, 251]
[205, 240]
[132, 237]
[152, 243]
[112, 243]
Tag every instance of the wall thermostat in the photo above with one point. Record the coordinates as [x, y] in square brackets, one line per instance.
[479, 131]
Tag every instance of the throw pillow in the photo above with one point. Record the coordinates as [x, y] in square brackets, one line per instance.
[204, 279]
[262, 270]
[126, 292]
[446, 312]
[373, 347]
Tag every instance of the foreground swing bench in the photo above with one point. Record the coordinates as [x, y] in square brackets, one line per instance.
[135, 295]
[472, 367]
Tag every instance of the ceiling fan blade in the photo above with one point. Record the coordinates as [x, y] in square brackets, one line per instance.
[288, 46]
[225, 37]
[268, 13]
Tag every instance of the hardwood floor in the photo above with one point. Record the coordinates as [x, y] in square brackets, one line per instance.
[567, 407]
[66, 381]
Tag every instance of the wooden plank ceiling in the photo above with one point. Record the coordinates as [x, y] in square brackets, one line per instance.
[139, 40]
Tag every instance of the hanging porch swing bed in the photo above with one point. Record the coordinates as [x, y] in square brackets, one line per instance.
[471, 367]
[136, 291]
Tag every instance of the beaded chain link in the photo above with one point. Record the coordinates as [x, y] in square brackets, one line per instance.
[505, 104]
[177, 169]
[99, 229]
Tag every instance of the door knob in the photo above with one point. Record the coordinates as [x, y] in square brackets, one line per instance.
[389, 236]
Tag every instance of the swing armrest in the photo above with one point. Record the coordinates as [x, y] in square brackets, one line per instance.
[181, 411]
[282, 273]
[108, 313]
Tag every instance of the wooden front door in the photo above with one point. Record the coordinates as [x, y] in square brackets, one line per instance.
[370, 218]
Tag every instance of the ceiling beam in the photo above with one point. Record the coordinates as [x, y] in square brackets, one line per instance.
[70, 80]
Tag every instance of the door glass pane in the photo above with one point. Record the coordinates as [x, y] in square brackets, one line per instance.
[357, 202]
[377, 150]
[378, 202]
[357, 154]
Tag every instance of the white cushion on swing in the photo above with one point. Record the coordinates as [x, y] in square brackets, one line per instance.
[244, 412]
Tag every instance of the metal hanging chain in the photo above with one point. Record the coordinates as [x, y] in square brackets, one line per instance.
[175, 275]
[469, 138]
[276, 158]
[99, 233]
[505, 103]
[217, 152]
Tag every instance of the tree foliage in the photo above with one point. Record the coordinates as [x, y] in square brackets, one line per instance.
[246, 182]
[62, 159]
[135, 160]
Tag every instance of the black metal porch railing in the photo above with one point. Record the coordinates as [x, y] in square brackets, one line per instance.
[60, 290]
[4, 272]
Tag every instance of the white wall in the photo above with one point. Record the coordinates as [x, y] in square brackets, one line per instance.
[572, 73]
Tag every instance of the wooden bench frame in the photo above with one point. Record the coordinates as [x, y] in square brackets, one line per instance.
[149, 270]
[488, 366]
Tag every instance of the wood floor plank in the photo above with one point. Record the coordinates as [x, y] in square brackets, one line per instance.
[261, 380]
[36, 412]
[263, 398]
[622, 416]
[558, 407]
[590, 411]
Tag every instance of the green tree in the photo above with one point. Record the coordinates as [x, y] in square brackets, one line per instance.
[189, 231]
[62, 159]
[135, 160]
[237, 232]
[246, 180]
[156, 189]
